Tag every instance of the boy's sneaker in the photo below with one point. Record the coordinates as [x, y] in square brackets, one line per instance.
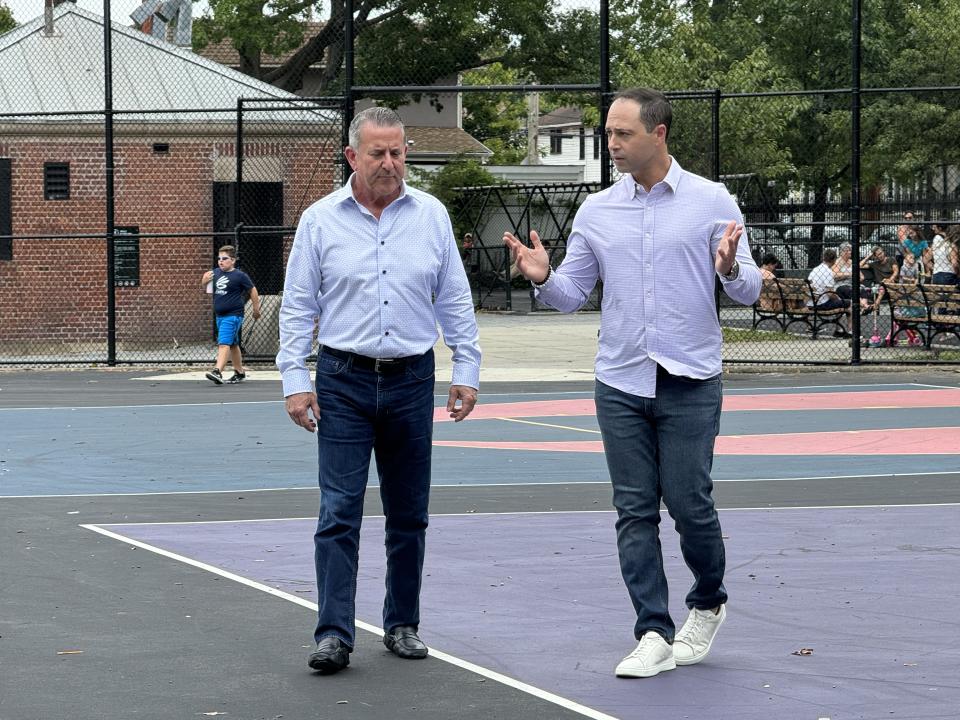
[652, 656]
[215, 376]
[237, 377]
[693, 642]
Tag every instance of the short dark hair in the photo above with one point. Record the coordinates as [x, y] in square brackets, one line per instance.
[770, 259]
[829, 255]
[655, 109]
[229, 250]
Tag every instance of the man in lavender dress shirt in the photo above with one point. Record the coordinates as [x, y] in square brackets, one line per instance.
[375, 268]
[657, 239]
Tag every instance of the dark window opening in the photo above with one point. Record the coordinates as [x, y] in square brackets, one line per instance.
[56, 181]
[556, 141]
[161, 148]
[583, 143]
[6, 209]
[596, 143]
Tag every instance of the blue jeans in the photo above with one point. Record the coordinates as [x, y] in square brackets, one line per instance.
[391, 415]
[662, 449]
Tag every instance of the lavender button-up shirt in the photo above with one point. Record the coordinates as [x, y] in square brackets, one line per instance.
[655, 253]
[376, 287]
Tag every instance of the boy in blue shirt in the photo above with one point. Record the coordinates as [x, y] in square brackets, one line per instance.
[229, 287]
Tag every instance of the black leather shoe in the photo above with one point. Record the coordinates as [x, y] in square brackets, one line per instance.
[332, 655]
[404, 642]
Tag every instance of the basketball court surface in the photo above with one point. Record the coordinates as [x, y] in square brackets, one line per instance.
[157, 557]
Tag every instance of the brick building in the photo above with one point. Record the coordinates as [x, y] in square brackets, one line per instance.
[175, 167]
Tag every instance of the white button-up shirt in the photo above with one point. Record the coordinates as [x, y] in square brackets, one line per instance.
[378, 287]
[655, 253]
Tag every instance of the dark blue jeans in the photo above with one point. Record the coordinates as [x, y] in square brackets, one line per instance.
[662, 449]
[391, 415]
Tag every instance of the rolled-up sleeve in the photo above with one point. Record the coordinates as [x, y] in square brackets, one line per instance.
[300, 309]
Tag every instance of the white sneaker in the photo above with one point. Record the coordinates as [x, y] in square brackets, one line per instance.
[693, 642]
[652, 656]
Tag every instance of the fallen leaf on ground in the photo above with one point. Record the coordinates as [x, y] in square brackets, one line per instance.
[69, 652]
[803, 651]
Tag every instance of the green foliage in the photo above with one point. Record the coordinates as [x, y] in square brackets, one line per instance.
[7, 22]
[498, 120]
[444, 183]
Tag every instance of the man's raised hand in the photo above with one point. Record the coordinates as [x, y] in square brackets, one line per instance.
[532, 262]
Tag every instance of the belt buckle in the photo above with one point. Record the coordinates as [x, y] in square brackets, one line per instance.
[378, 363]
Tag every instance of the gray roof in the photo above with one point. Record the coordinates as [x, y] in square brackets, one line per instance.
[64, 73]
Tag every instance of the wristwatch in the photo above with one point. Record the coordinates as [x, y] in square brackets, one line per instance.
[734, 271]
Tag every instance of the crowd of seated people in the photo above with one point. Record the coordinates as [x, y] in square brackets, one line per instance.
[922, 256]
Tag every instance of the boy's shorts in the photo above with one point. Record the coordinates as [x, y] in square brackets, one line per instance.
[228, 329]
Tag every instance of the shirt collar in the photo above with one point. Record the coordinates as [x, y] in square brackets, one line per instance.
[671, 180]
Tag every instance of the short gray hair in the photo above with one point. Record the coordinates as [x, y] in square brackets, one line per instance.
[379, 116]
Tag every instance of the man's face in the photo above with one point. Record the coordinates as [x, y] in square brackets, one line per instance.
[631, 146]
[379, 160]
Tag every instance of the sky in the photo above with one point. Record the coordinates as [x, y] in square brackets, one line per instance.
[26, 10]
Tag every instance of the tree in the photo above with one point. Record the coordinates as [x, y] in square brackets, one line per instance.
[398, 42]
[7, 23]
[804, 141]
[444, 184]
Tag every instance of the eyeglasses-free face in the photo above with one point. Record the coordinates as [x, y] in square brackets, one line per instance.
[224, 257]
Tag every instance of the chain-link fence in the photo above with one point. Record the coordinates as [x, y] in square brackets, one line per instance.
[111, 211]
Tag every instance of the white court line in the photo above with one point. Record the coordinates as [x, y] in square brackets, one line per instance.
[609, 511]
[156, 405]
[438, 654]
[737, 391]
[473, 485]
[254, 402]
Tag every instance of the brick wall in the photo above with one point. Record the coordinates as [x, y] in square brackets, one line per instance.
[55, 289]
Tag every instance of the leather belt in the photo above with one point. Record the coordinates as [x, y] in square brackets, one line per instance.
[384, 366]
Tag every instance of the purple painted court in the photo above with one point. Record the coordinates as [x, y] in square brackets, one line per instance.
[861, 589]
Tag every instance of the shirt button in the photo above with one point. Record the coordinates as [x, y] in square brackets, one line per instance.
[387, 332]
[386, 302]
[384, 272]
[381, 242]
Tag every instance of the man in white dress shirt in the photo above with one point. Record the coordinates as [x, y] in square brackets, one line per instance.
[375, 267]
[658, 239]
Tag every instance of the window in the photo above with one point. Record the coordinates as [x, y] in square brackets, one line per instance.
[56, 181]
[556, 141]
[583, 143]
[126, 256]
[6, 214]
[596, 143]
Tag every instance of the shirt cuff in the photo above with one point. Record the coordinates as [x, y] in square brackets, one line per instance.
[466, 374]
[297, 381]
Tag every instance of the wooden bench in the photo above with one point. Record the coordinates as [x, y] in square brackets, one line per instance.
[929, 310]
[943, 307]
[788, 301]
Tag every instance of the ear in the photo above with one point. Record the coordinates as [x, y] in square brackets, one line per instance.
[351, 156]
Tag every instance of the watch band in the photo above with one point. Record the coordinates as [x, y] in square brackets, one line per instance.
[734, 271]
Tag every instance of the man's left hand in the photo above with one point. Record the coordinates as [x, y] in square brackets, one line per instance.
[727, 252]
[467, 397]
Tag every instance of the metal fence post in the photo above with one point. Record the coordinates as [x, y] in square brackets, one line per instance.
[855, 184]
[604, 90]
[109, 194]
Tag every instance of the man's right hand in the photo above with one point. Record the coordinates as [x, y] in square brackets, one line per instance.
[299, 408]
[532, 262]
